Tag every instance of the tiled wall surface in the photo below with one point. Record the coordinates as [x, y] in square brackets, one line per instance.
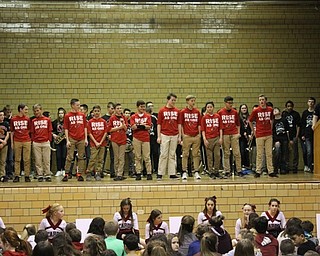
[99, 51]
[20, 206]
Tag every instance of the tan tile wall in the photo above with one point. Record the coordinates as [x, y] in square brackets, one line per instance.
[54, 51]
[20, 206]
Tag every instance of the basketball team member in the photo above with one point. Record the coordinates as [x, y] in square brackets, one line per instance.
[169, 135]
[41, 128]
[75, 128]
[20, 126]
[97, 130]
[141, 124]
[117, 127]
[231, 135]
[263, 116]
[190, 131]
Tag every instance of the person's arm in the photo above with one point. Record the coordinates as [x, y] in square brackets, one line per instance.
[159, 133]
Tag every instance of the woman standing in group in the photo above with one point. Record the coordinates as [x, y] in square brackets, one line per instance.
[276, 219]
[246, 138]
[209, 211]
[126, 219]
[59, 141]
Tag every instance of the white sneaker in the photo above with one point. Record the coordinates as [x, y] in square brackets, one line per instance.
[197, 176]
[22, 173]
[184, 176]
[58, 173]
[305, 168]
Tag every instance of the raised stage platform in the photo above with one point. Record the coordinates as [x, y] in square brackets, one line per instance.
[21, 203]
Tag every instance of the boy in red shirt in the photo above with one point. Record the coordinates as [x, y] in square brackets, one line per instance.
[190, 131]
[231, 135]
[97, 130]
[117, 126]
[263, 132]
[75, 127]
[41, 128]
[141, 124]
[211, 127]
[169, 135]
[20, 126]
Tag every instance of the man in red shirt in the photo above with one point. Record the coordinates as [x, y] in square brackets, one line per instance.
[231, 135]
[211, 127]
[41, 128]
[141, 124]
[190, 131]
[117, 126]
[97, 130]
[20, 126]
[169, 135]
[75, 127]
[263, 116]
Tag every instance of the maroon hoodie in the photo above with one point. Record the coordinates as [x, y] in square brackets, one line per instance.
[11, 253]
[267, 244]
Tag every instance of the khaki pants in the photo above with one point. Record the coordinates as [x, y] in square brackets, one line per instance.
[142, 151]
[213, 149]
[231, 141]
[167, 157]
[96, 159]
[188, 143]
[18, 148]
[80, 146]
[119, 158]
[264, 145]
[42, 152]
[3, 157]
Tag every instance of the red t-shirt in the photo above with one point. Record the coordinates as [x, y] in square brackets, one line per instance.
[75, 123]
[190, 121]
[41, 128]
[21, 127]
[263, 118]
[169, 118]
[144, 119]
[230, 121]
[98, 128]
[211, 125]
[119, 136]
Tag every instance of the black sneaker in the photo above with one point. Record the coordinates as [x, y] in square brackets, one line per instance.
[27, 179]
[174, 177]
[118, 178]
[80, 178]
[213, 176]
[257, 175]
[40, 179]
[4, 179]
[273, 175]
[16, 179]
[65, 178]
[149, 177]
[112, 175]
[138, 176]
[48, 179]
[159, 177]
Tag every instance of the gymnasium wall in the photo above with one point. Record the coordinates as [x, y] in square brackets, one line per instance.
[52, 51]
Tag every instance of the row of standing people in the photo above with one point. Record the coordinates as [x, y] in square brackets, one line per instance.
[169, 128]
